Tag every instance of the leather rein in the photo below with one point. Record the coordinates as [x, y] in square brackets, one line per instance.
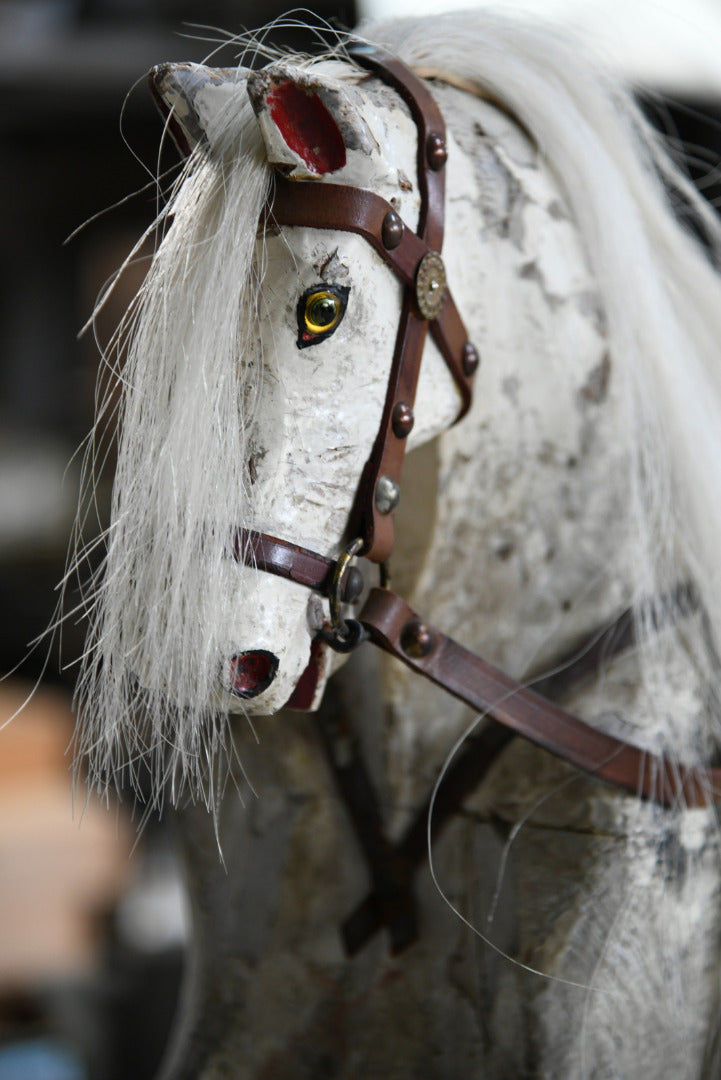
[386, 619]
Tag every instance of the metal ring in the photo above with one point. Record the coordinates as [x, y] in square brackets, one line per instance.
[346, 637]
[335, 589]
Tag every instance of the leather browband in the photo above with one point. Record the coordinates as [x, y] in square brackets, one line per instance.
[386, 618]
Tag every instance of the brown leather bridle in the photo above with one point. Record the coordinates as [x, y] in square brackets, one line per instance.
[385, 618]
[428, 304]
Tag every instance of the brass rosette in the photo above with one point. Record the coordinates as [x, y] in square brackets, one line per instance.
[430, 285]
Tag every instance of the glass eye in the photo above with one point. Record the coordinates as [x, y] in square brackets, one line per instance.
[320, 310]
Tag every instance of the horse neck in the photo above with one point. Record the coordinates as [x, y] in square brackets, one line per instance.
[530, 534]
[513, 533]
[528, 545]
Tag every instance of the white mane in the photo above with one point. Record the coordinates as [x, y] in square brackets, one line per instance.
[165, 580]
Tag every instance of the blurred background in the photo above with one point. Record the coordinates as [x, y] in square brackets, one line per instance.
[91, 932]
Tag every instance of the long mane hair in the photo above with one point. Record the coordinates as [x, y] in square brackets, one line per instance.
[187, 414]
[185, 427]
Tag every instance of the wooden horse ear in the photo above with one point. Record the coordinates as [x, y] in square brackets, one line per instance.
[194, 98]
[308, 122]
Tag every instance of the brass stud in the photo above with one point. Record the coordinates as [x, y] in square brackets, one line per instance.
[402, 419]
[436, 151]
[416, 639]
[392, 230]
[469, 359]
[388, 495]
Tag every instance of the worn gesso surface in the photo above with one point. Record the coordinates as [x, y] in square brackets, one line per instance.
[512, 538]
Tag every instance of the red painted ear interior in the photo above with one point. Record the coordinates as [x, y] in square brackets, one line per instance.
[307, 127]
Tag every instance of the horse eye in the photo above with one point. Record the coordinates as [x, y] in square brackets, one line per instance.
[320, 311]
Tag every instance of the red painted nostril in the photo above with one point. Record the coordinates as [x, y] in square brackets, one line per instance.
[252, 672]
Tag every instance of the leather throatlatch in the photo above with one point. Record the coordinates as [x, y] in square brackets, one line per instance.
[398, 630]
[393, 626]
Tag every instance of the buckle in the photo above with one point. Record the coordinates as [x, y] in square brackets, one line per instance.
[344, 634]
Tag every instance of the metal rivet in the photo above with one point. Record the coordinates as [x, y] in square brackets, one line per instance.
[403, 420]
[392, 230]
[388, 495]
[436, 152]
[469, 359]
[416, 639]
[352, 585]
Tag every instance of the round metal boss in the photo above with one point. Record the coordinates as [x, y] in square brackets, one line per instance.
[402, 420]
[416, 639]
[430, 285]
[388, 495]
[436, 151]
[469, 359]
[392, 230]
[352, 585]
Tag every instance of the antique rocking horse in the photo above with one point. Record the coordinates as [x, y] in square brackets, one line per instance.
[348, 238]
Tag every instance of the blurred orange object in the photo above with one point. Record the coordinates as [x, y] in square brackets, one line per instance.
[62, 866]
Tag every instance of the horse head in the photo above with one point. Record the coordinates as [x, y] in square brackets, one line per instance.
[259, 364]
